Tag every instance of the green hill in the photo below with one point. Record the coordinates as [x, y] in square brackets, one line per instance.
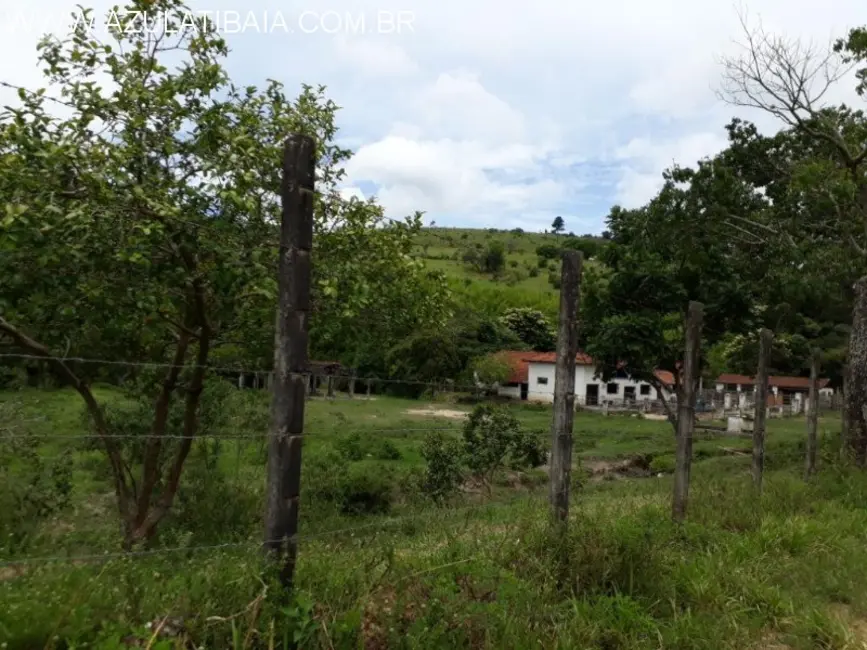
[521, 278]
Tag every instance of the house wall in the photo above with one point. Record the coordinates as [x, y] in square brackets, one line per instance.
[584, 375]
[510, 391]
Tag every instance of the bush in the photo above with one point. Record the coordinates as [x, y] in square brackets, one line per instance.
[488, 437]
[443, 473]
[351, 447]
[366, 492]
[534, 272]
[387, 450]
[548, 251]
[33, 490]
[527, 450]
[514, 263]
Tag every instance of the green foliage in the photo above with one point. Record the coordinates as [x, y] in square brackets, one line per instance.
[443, 474]
[527, 450]
[558, 225]
[492, 369]
[548, 252]
[531, 327]
[492, 435]
[493, 259]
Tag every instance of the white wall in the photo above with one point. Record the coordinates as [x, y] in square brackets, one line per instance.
[537, 392]
[509, 391]
[583, 375]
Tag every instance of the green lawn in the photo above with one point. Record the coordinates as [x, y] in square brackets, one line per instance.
[786, 571]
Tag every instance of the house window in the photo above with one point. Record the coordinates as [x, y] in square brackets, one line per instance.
[731, 388]
[645, 389]
[542, 380]
[612, 388]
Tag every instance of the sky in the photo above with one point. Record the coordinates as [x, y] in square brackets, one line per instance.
[492, 113]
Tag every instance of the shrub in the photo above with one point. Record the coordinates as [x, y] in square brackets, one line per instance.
[387, 450]
[363, 491]
[443, 472]
[488, 436]
[548, 251]
[351, 447]
[33, 490]
[534, 272]
[527, 450]
[514, 263]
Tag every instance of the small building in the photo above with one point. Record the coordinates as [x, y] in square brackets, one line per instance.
[781, 389]
[532, 379]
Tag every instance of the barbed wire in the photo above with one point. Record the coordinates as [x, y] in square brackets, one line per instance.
[391, 521]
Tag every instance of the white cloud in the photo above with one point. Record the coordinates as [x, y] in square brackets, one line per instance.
[646, 158]
[493, 112]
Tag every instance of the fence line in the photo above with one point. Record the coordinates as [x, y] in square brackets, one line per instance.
[391, 521]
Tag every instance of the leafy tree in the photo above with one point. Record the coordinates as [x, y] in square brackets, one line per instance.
[141, 223]
[443, 472]
[674, 250]
[548, 251]
[492, 369]
[790, 81]
[492, 435]
[494, 258]
[558, 225]
[531, 327]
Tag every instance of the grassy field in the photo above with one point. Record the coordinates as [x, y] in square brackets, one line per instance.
[788, 570]
[522, 283]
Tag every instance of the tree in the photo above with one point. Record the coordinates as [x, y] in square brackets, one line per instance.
[494, 258]
[531, 327]
[141, 223]
[662, 256]
[790, 80]
[558, 225]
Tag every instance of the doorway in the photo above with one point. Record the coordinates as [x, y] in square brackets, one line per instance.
[592, 394]
[629, 394]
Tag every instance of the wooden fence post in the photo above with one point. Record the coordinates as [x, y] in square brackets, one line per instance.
[686, 411]
[368, 388]
[564, 385]
[290, 354]
[844, 420]
[330, 393]
[766, 339]
[351, 389]
[813, 414]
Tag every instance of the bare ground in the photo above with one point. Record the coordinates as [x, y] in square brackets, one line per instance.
[438, 413]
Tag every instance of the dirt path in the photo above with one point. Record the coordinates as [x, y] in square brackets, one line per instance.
[438, 413]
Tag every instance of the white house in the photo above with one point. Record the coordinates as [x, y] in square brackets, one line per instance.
[782, 389]
[532, 379]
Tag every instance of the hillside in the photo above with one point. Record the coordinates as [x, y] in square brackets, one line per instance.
[523, 279]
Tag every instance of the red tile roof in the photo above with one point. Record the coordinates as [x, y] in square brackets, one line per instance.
[520, 364]
[778, 381]
[551, 357]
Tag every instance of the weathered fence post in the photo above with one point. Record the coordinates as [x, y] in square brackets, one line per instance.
[766, 338]
[564, 385]
[290, 354]
[330, 393]
[351, 389]
[686, 410]
[856, 384]
[813, 413]
[368, 388]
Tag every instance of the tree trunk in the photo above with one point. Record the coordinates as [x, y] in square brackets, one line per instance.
[686, 411]
[766, 339]
[813, 415]
[856, 398]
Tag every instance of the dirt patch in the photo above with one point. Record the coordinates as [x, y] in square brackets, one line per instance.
[857, 626]
[655, 416]
[438, 413]
[600, 468]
